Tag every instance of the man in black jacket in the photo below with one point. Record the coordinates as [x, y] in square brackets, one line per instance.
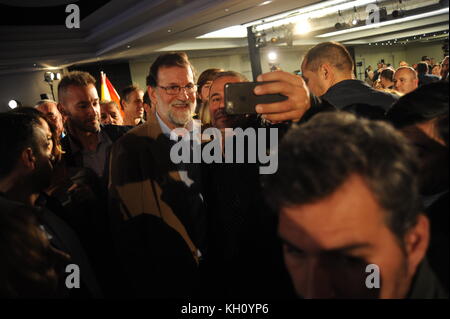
[26, 169]
[328, 71]
[350, 214]
[87, 145]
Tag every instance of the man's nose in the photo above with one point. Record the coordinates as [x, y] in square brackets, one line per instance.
[183, 93]
[319, 285]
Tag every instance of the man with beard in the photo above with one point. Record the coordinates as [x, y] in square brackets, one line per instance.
[87, 144]
[350, 212]
[156, 206]
[26, 168]
[242, 236]
[86, 148]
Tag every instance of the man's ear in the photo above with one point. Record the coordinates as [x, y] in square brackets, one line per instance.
[61, 108]
[152, 94]
[325, 72]
[416, 243]
[28, 159]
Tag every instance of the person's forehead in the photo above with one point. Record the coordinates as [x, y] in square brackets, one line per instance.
[76, 91]
[351, 214]
[219, 84]
[44, 127]
[403, 74]
[47, 107]
[175, 74]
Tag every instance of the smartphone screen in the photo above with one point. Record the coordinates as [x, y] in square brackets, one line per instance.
[240, 99]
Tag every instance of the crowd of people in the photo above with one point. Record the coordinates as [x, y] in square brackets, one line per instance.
[362, 183]
[406, 78]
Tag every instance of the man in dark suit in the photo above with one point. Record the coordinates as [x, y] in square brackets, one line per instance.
[26, 168]
[424, 76]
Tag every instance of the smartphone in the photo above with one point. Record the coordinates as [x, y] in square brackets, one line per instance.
[240, 99]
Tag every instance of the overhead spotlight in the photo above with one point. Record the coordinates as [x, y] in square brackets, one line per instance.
[302, 27]
[57, 76]
[272, 56]
[399, 12]
[260, 42]
[355, 18]
[49, 77]
[13, 104]
[383, 14]
[340, 24]
[274, 40]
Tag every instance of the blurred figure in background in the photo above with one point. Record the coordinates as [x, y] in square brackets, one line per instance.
[444, 69]
[387, 79]
[424, 75]
[204, 84]
[110, 113]
[406, 80]
[423, 117]
[436, 71]
[132, 101]
[50, 109]
[147, 106]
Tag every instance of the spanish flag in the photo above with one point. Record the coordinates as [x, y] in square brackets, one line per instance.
[108, 92]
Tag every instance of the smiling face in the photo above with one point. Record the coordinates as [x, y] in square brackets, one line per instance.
[174, 110]
[82, 108]
[329, 243]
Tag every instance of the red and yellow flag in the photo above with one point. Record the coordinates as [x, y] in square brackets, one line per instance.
[108, 92]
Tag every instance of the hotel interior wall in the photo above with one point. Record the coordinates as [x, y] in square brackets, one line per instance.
[27, 87]
[289, 59]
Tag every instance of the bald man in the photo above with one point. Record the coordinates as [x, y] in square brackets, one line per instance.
[406, 80]
[50, 109]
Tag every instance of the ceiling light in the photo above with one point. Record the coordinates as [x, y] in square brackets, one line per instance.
[272, 56]
[318, 10]
[302, 27]
[13, 104]
[236, 31]
[264, 3]
[385, 23]
[49, 76]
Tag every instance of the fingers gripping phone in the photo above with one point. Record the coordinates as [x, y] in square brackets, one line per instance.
[240, 98]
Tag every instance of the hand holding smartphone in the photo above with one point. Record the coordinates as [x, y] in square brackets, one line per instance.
[241, 99]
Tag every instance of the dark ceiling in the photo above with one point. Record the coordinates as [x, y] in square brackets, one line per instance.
[15, 13]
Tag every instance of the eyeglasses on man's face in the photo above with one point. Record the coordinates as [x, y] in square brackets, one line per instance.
[176, 89]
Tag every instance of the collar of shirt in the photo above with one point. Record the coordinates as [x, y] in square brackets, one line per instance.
[74, 145]
[191, 126]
